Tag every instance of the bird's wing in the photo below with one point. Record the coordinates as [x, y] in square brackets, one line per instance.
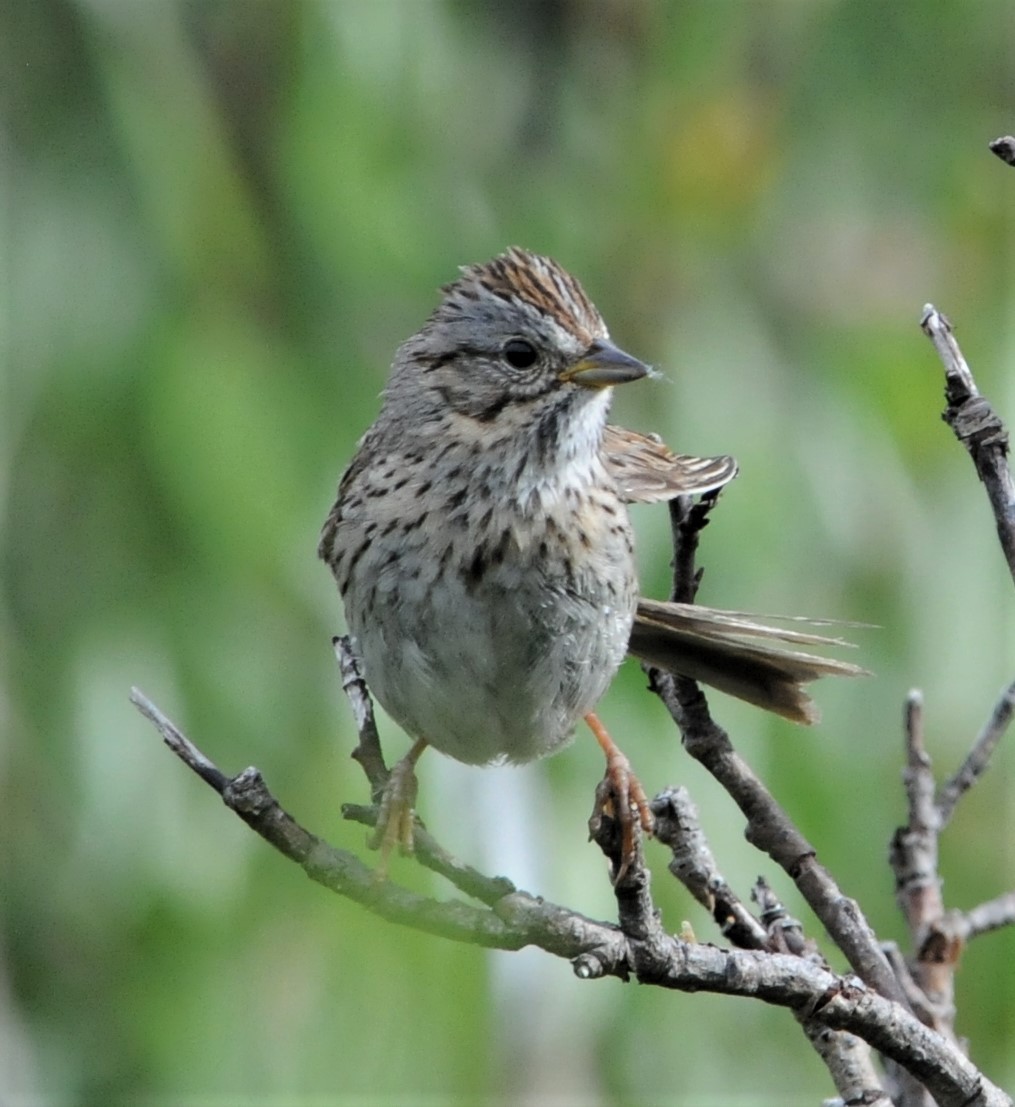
[647, 471]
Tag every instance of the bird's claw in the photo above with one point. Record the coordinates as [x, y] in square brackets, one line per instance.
[396, 817]
[621, 797]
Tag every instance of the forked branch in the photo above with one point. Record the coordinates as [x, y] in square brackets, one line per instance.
[773, 961]
[598, 949]
[769, 827]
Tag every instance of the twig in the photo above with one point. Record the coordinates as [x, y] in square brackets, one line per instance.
[847, 1058]
[368, 751]
[785, 934]
[688, 518]
[914, 993]
[249, 797]
[598, 949]
[988, 916]
[979, 756]
[692, 863]
[433, 856]
[913, 856]
[977, 427]
[939, 935]
[1004, 147]
[913, 852]
[849, 1061]
[769, 828]
[636, 912]
[178, 742]
[918, 778]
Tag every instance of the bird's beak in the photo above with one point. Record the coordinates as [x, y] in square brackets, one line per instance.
[604, 365]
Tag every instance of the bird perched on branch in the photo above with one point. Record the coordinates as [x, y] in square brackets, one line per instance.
[481, 542]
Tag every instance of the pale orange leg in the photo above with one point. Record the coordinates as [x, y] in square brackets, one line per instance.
[629, 795]
[395, 816]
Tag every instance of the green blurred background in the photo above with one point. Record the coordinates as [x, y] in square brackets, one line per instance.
[220, 220]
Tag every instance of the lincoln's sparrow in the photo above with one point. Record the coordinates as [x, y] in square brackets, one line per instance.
[480, 537]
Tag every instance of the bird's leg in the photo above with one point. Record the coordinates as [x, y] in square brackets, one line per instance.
[631, 803]
[395, 814]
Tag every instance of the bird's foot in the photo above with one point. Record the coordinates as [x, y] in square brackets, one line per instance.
[620, 796]
[396, 816]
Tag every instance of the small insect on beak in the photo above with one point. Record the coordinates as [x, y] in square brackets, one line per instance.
[605, 365]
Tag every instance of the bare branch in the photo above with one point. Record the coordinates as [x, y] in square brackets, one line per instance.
[979, 756]
[433, 856]
[847, 1058]
[677, 827]
[959, 383]
[977, 427]
[938, 935]
[368, 751]
[769, 828]
[1004, 147]
[918, 777]
[849, 1062]
[785, 934]
[988, 916]
[249, 797]
[913, 852]
[914, 993]
[178, 742]
[631, 879]
[597, 949]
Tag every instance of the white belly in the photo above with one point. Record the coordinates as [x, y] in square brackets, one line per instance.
[503, 672]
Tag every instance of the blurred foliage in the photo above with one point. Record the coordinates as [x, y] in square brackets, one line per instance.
[221, 217]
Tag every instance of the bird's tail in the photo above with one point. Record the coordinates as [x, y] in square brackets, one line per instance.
[733, 652]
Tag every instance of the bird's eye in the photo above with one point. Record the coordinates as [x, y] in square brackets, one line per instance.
[519, 353]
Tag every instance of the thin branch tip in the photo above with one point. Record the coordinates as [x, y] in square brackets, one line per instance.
[179, 743]
[141, 701]
[934, 322]
[1004, 148]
